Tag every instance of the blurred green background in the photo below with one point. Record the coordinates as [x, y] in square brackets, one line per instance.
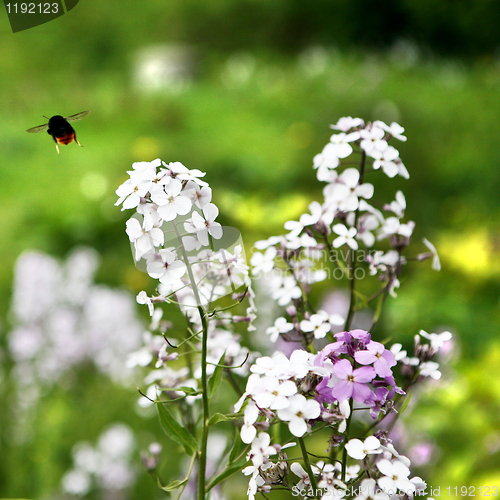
[246, 90]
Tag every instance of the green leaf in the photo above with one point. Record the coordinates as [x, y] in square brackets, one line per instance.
[216, 378]
[235, 451]
[188, 391]
[235, 467]
[174, 485]
[175, 430]
[363, 300]
[406, 403]
[219, 417]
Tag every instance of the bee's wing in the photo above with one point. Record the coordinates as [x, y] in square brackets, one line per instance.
[78, 116]
[38, 129]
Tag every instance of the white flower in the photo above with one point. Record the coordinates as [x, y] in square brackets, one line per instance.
[146, 166]
[403, 172]
[392, 225]
[165, 267]
[317, 213]
[206, 225]
[77, 482]
[394, 129]
[379, 261]
[248, 431]
[345, 192]
[287, 291]
[142, 357]
[398, 353]
[358, 449]
[351, 472]
[341, 144]
[318, 324]
[280, 326]
[420, 484]
[263, 262]
[436, 264]
[274, 394]
[184, 174]
[430, 369]
[151, 216]
[327, 159]
[345, 236]
[297, 414]
[305, 480]
[372, 138]
[304, 241]
[198, 195]
[295, 228]
[142, 298]
[386, 159]
[398, 206]
[347, 123]
[170, 201]
[395, 476]
[261, 449]
[391, 452]
[368, 491]
[256, 481]
[437, 339]
[132, 190]
[263, 244]
[191, 242]
[366, 224]
[144, 241]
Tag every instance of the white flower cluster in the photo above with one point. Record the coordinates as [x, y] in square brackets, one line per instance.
[393, 470]
[305, 389]
[276, 385]
[174, 232]
[421, 363]
[291, 262]
[63, 319]
[107, 466]
[196, 262]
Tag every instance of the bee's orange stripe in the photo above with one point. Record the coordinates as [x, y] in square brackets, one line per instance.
[66, 139]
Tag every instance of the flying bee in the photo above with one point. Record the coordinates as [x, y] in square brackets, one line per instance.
[59, 128]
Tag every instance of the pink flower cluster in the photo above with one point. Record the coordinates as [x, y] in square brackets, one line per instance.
[308, 388]
[357, 365]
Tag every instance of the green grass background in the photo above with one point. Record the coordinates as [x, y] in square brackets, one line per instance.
[253, 114]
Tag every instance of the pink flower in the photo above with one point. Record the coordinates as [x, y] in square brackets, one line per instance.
[352, 383]
[377, 354]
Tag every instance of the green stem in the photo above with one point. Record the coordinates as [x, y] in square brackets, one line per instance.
[202, 457]
[307, 464]
[188, 265]
[346, 434]
[352, 255]
[352, 300]
[206, 413]
[191, 464]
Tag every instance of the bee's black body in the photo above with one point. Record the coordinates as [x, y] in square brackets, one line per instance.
[60, 129]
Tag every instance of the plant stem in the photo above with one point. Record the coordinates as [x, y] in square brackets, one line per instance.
[193, 459]
[352, 255]
[344, 451]
[202, 459]
[206, 413]
[307, 464]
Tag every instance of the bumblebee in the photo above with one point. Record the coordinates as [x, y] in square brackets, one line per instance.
[60, 129]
